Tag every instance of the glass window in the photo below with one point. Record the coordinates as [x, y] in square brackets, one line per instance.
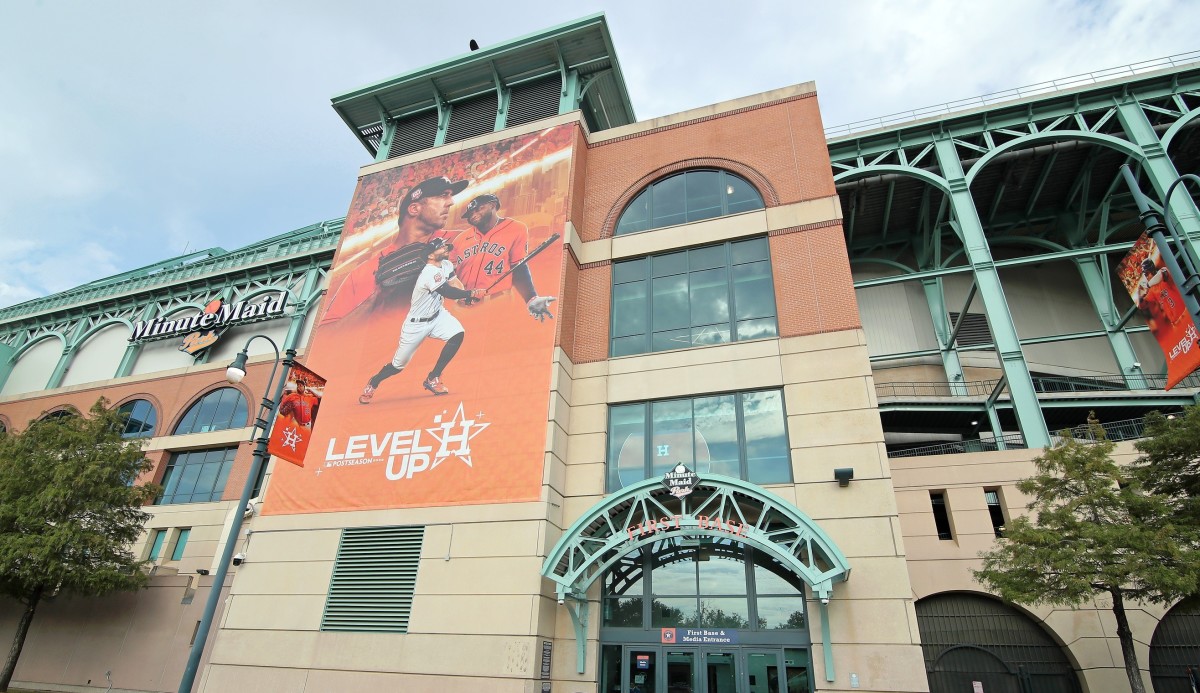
[217, 411]
[995, 510]
[156, 544]
[686, 197]
[941, 515]
[710, 295]
[197, 476]
[181, 543]
[742, 435]
[140, 418]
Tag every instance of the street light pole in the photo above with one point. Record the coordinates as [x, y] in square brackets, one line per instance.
[1155, 225]
[262, 426]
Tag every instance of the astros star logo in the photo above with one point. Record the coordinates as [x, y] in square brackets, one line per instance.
[291, 437]
[454, 436]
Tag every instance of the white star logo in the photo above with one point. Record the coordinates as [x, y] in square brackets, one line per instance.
[291, 437]
[454, 436]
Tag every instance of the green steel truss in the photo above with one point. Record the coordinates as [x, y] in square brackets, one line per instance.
[294, 262]
[1035, 179]
[646, 512]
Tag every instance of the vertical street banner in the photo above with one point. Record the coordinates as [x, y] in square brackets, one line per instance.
[298, 407]
[437, 333]
[1160, 303]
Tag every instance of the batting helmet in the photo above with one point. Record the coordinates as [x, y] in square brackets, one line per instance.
[435, 243]
[478, 201]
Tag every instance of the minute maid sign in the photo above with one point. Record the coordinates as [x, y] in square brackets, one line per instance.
[203, 329]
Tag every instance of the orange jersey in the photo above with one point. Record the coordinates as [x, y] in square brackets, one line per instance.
[480, 258]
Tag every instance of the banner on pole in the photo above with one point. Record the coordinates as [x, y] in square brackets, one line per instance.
[297, 413]
[1160, 302]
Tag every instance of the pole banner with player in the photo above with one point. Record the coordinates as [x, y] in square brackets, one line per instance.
[297, 414]
[437, 333]
[1159, 301]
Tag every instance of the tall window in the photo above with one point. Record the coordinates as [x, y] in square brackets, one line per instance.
[742, 435]
[710, 295]
[197, 476]
[216, 411]
[181, 543]
[995, 510]
[156, 544]
[941, 515]
[140, 419]
[686, 197]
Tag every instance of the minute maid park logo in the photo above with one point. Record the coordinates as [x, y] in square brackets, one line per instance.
[203, 329]
[410, 452]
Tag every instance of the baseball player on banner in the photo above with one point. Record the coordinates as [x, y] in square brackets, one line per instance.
[428, 317]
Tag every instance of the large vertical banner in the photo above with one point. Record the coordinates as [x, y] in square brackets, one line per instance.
[438, 333]
[1158, 299]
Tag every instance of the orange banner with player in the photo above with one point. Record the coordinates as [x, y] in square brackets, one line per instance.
[437, 333]
[1159, 301]
[297, 415]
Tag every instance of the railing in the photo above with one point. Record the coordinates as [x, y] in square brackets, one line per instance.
[1042, 384]
[1116, 431]
[993, 98]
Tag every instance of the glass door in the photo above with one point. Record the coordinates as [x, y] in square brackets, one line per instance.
[641, 671]
[763, 672]
[721, 672]
[679, 667]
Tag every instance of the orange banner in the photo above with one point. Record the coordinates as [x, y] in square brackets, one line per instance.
[1159, 301]
[438, 334]
[297, 415]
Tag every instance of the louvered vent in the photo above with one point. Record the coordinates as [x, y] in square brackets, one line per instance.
[533, 101]
[472, 117]
[373, 580]
[372, 134]
[414, 134]
[974, 329]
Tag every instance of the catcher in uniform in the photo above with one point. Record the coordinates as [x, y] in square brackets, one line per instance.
[428, 317]
[423, 211]
[494, 244]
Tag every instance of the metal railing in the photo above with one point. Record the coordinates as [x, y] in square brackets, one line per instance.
[1042, 384]
[1116, 431]
[996, 97]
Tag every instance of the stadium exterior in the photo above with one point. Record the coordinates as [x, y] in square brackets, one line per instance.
[858, 339]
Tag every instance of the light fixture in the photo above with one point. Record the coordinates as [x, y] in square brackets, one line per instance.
[843, 475]
[237, 369]
[202, 571]
[975, 422]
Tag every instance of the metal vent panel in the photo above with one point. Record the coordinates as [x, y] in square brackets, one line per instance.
[472, 117]
[974, 329]
[534, 101]
[414, 134]
[374, 577]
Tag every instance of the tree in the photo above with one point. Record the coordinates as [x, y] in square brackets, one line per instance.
[69, 512]
[1094, 531]
[1170, 461]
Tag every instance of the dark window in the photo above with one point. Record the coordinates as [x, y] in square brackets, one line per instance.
[57, 415]
[742, 435]
[687, 197]
[710, 295]
[197, 476]
[995, 509]
[216, 411]
[689, 583]
[181, 543]
[941, 515]
[140, 419]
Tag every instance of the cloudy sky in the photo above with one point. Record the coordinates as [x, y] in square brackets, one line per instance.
[131, 130]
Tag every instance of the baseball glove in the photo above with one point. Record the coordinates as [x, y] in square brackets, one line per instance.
[286, 408]
[401, 267]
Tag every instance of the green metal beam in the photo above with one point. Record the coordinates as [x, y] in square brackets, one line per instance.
[1099, 290]
[1160, 170]
[935, 298]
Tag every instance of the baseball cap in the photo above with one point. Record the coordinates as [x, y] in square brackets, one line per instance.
[437, 242]
[431, 186]
[475, 204]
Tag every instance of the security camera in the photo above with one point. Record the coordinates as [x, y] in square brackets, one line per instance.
[239, 558]
[562, 601]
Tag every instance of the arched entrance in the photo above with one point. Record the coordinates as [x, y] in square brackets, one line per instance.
[704, 593]
[967, 638]
[1175, 649]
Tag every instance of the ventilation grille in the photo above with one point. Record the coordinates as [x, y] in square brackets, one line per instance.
[534, 101]
[372, 134]
[472, 117]
[373, 580]
[414, 134]
[974, 329]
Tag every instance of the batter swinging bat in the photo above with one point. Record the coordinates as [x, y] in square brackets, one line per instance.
[523, 261]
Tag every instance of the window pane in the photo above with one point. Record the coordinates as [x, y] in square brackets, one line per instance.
[636, 216]
[674, 612]
[703, 192]
[630, 270]
[156, 543]
[216, 411]
[670, 303]
[140, 419]
[709, 295]
[722, 569]
[224, 413]
[781, 613]
[758, 328]
[625, 346]
[668, 202]
[673, 439]
[623, 613]
[674, 569]
[753, 291]
[771, 577]
[197, 476]
[716, 435]
[767, 458]
[671, 339]
[742, 252]
[180, 544]
[740, 196]
[671, 263]
[629, 309]
[710, 334]
[170, 480]
[707, 258]
[626, 445]
[187, 479]
[725, 612]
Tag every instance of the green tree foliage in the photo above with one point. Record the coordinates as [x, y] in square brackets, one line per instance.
[1092, 532]
[1170, 461]
[69, 513]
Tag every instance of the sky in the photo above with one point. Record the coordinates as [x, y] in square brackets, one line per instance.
[132, 131]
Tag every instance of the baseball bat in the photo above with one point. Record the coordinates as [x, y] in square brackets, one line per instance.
[523, 261]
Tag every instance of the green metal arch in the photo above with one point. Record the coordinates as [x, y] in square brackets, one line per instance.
[98, 327]
[1010, 240]
[1055, 136]
[605, 532]
[1178, 125]
[34, 342]
[878, 169]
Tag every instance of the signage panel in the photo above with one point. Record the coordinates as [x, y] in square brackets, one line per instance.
[1159, 301]
[204, 328]
[297, 414]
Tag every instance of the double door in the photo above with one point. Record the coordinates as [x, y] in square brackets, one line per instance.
[668, 669]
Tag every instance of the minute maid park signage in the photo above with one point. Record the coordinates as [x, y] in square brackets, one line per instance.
[203, 329]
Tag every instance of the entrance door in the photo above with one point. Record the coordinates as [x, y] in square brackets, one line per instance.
[667, 669]
[721, 672]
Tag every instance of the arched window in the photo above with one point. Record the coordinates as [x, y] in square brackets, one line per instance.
[140, 419]
[3, 427]
[686, 197]
[1173, 648]
[56, 415]
[216, 411]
